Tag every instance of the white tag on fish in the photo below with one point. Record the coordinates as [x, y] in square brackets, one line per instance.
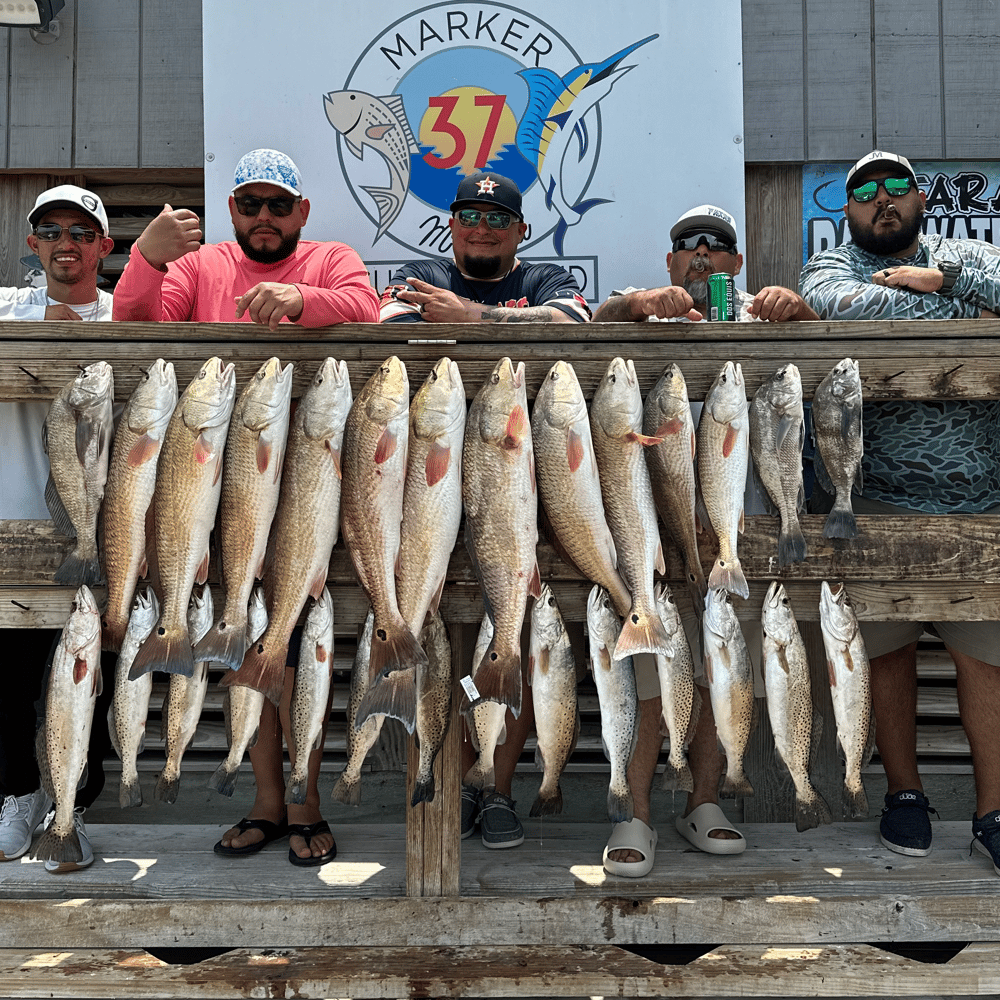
[470, 689]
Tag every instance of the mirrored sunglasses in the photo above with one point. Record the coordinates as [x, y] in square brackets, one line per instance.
[469, 218]
[895, 187]
[712, 241]
[248, 204]
[49, 232]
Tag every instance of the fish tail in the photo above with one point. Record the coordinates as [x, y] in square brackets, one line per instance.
[677, 778]
[296, 789]
[480, 777]
[729, 576]
[392, 694]
[76, 571]
[112, 635]
[423, 790]
[223, 644]
[620, 806]
[548, 805]
[129, 793]
[223, 780]
[53, 847]
[347, 791]
[498, 679]
[169, 652]
[262, 669]
[735, 784]
[388, 203]
[840, 523]
[855, 799]
[394, 650]
[811, 809]
[642, 632]
[166, 788]
[791, 545]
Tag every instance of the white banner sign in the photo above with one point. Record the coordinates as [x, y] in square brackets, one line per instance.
[612, 119]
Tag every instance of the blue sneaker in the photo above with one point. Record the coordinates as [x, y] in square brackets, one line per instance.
[470, 810]
[986, 837]
[905, 826]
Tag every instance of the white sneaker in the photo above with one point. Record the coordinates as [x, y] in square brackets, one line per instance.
[88, 854]
[19, 817]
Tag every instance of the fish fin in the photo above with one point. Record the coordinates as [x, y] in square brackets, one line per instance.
[348, 792]
[870, 743]
[201, 573]
[52, 847]
[386, 446]
[582, 207]
[811, 809]
[203, 452]
[791, 546]
[57, 510]
[574, 455]
[394, 102]
[660, 565]
[394, 649]
[436, 465]
[642, 632]
[262, 668]
[736, 785]
[729, 576]
[264, 453]
[76, 571]
[129, 794]
[144, 449]
[498, 678]
[840, 524]
[646, 440]
[620, 806]
[223, 780]
[423, 791]
[388, 203]
[357, 150]
[677, 779]
[85, 430]
[376, 132]
[559, 235]
[855, 800]
[168, 653]
[517, 429]
[742, 523]
[335, 455]
[550, 805]
[166, 789]
[535, 583]
[669, 427]
[394, 694]
[223, 644]
[729, 441]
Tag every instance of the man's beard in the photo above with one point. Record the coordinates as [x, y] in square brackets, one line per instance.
[481, 267]
[695, 286]
[888, 244]
[284, 250]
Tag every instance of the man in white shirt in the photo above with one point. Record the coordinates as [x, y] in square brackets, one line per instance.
[70, 236]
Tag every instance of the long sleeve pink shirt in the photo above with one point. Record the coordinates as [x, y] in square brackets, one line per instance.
[203, 286]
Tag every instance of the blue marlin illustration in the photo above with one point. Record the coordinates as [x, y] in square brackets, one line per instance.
[556, 109]
[379, 122]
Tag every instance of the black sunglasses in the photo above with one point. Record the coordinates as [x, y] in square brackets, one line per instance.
[895, 187]
[49, 232]
[248, 204]
[714, 243]
[469, 218]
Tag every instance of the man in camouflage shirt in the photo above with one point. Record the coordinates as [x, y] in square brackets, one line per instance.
[931, 457]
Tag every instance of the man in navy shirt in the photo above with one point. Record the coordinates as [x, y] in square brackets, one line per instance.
[486, 283]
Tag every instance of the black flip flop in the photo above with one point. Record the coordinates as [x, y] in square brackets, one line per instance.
[271, 831]
[307, 832]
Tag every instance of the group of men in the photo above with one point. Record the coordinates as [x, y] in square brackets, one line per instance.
[269, 275]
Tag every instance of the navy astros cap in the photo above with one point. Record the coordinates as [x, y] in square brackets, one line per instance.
[488, 186]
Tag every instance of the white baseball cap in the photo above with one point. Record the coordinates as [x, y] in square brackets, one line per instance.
[70, 196]
[878, 158]
[705, 217]
[268, 166]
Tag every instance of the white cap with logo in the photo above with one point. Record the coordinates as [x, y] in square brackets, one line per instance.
[878, 158]
[705, 217]
[70, 196]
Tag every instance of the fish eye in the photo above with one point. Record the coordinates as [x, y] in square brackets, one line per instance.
[353, 97]
[495, 378]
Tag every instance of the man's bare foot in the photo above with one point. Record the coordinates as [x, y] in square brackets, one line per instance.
[319, 844]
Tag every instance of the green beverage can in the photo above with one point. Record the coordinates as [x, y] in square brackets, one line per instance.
[721, 298]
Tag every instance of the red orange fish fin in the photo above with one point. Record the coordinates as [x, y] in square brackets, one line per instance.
[729, 442]
[517, 429]
[321, 653]
[831, 672]
[646, 440]
[377, 132]
[202, 452]
[672, 426]
[661, 566]
[79, 670]
[437, 463]
[335, 455]
[143, 450]
[535, 584]
[263, 455]
[201, 573]
[386, 446]
[143, 567]
[317, 585]
[574, 450]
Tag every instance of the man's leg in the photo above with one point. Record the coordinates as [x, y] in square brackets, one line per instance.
[979, 709]
[894, 699]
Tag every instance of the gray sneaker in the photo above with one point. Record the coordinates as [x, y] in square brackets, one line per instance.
[470, 810]
[19, 817]
[498, 823]
[60, 867]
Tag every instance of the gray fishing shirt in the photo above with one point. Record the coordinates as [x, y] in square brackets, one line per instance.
[937, 456]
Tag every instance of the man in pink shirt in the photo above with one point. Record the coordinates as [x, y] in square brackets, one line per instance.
[268, 274]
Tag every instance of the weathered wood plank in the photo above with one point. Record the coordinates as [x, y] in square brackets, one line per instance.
[106, 132]
[521, 971]
[171, 109]
[971, 81]
[773, 254]
[908, 73]
[152, 194]
[773, 84]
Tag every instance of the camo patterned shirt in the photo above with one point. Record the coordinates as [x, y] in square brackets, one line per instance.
[937, 456]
